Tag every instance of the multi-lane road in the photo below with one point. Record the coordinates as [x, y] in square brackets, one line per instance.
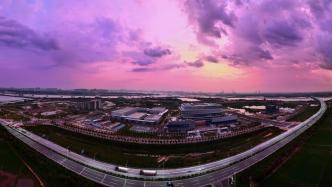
[104, 173]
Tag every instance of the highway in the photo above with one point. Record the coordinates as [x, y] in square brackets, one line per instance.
[103, 173]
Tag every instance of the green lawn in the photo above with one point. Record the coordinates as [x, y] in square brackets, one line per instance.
[10, 161]
[12, 152]
[311, 165]
[135, 155]
[308, 111]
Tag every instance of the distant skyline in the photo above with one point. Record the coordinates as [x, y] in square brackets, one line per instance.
[180, 45]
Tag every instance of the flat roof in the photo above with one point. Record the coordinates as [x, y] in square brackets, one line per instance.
[137, 115]
[153, 117]
[123, 110]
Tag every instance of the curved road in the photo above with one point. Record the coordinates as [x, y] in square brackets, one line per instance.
[103, 173]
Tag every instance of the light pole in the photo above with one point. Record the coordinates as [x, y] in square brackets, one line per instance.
[94, 157]
[68, 151]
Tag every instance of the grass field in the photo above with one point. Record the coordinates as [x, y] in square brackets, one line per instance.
[308, 111]
[147, 155]
[12, 152]
[309, 165]
[312, 165]
[10, 160]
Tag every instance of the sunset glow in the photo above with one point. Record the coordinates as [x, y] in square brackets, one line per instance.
[192, 45]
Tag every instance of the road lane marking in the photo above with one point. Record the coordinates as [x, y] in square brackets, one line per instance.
[104, 178]
[124, 185]
[82, 170]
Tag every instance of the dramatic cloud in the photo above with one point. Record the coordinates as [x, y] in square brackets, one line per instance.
[196, 63]
[281, 33]
[16, 35]
[241, 45]
[157, 52]
[210, 16]
[211, 59]
[160, 68]
[143, 62]
[324, 49]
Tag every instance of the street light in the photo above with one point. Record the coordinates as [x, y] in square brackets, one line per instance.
[68, 151]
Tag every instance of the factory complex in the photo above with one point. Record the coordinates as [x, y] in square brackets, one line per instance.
[138, 115]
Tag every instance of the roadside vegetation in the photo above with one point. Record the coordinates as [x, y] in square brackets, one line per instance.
[12, 167]
[312, 164]
[305, 114]
[147, 156]
[15, 155]
[306, 161]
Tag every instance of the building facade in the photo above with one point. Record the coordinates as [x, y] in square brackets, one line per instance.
[88, 105]
[203, 111]
[138, 115]
[180, 126]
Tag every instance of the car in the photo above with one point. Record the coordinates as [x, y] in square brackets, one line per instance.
[169, 184]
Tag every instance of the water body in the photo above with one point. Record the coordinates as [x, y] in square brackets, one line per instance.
[256, 107]
[5, 99]
[241, 110]
[286, 109]
[272, 98]
[188, 99]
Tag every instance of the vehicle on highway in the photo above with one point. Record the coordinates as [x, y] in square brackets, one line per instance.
[121, 169]
[169, 184]
[148, 172]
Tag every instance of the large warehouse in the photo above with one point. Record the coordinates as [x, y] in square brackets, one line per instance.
[138, 115]
[202, 111]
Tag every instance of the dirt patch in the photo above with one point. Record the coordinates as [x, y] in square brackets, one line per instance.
[330, 152]
[273, 168]
[269, 134]
[24, 183]
[162, 159]
[7, 179]
[199, 154]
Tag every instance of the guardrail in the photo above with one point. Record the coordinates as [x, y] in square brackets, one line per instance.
[275, 143]
[155, 141]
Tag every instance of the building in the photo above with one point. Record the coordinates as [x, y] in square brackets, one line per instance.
[138, 115]
[88, 105]
[206, 114]
[49, 113]
[202, 111]
[271, 109]
[180, 126]
[114, 127]
[225, 120]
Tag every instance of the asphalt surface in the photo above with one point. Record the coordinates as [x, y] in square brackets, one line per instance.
[217, 171]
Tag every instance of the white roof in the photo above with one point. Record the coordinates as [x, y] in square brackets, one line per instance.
[137, 115]
[153, 117]
[123, 111]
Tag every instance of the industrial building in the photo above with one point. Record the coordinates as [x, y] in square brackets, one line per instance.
[224, 120]
[138, 115]
[195, 115]
[180, 126]
[271, 109]
[202, 111]
[88, 105]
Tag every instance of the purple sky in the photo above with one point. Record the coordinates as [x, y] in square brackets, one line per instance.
[191, 45]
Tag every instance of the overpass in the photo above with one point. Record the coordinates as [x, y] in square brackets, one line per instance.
[107, 174]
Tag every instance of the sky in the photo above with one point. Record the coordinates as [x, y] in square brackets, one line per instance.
[182, 45]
